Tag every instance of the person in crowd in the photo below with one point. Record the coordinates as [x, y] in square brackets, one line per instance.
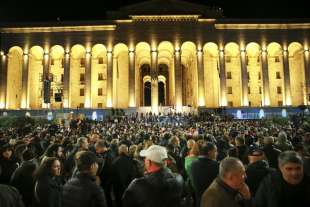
[282, 143]
[257, 169]
[229, 188]
[23, 177]
[203, 170]
[192, 155]
[159, 187]
[123, 169]
[83, 190]
[81, 145]
[10, 197]
[288, 186]
[48, 187]
[8, 163]
[271, 152]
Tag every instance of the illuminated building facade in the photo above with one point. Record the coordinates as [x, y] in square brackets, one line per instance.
[148, 55]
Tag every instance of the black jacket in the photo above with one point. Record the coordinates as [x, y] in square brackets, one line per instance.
[159, 189]
[201, 174]
[47, 192]
[275, 192]
[272, 155]
[255, 173]
[10, 197]
[82, 191]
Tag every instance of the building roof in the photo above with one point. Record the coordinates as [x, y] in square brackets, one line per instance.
[166, 7]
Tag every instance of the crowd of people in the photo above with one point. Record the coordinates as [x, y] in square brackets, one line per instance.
[140, 161]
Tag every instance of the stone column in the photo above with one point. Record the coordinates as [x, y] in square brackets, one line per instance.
[25, 100]
[178, 80]
[307, 74]
[287, 83]
[244, 79]
[109, 79]
[201, 79]
[266, 94]
[222, 78]
[3, 80]
[88, 91]
[46, 76]
[131, 82]
[154, 81]
[66, 91]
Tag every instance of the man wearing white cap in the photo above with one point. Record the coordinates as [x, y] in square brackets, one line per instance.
[159, 187]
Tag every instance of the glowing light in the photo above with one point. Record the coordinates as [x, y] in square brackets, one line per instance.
[284, 113]
[239, 114]
[1, 53]
[2, 105]
[261, 113]
[109, 102]
[24, 104]
[94, 116]
[201, 101]
[27, 114]
[49, 115]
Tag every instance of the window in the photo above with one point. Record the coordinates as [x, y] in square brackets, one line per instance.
[52, 62]
[82, 77]
[51, 92]
[230, 104]
[100, 76]
[100, 60]
[279, 90]
[82, 62]
[81, 105]
[280, 103]
[82, 91]
[229, 90]
[277, 59]
[278, 75]
[250, 103]
[62, 78]
[247, 60]
[99, 105]
[259, 76]
[248, 73]
[62, 62]
[228, 75]
[227, 59]
[249, 90]
[99, 91]
[260, 90]
[258, 59]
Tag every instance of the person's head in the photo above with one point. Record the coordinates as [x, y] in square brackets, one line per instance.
[50, 166]
[82, 143]
[123, 149]
[255, 154]
[268, 140]
[232, 172]
[190, 143]
[291, 167]
[133, 150]
[54, 150]
[209, 150]
[155, 156]
[101, 146]
[6, 152]
[86, 162]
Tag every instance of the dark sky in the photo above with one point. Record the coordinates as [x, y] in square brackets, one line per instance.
[67, 10]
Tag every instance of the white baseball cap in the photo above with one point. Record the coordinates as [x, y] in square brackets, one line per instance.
[155, 153]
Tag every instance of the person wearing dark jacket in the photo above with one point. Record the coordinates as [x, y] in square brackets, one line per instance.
[287, 187]
[271, 152]
[48, 189]
[10, 197]
[159, 187]
[257, 169]
[203, 170]
[82, 190]
[123, 173]
[8, 164]
[23, 178]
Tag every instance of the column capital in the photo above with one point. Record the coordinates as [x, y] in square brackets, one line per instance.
[131, 51]
[242, 50]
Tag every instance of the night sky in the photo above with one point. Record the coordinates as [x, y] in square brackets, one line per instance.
[70, 10]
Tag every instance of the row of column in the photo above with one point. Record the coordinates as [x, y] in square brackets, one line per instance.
[154, 78]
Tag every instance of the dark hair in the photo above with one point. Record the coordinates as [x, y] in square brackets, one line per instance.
[289, 156]
[206, 147]
[84, 160]
[45, 167]
[51, 150]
